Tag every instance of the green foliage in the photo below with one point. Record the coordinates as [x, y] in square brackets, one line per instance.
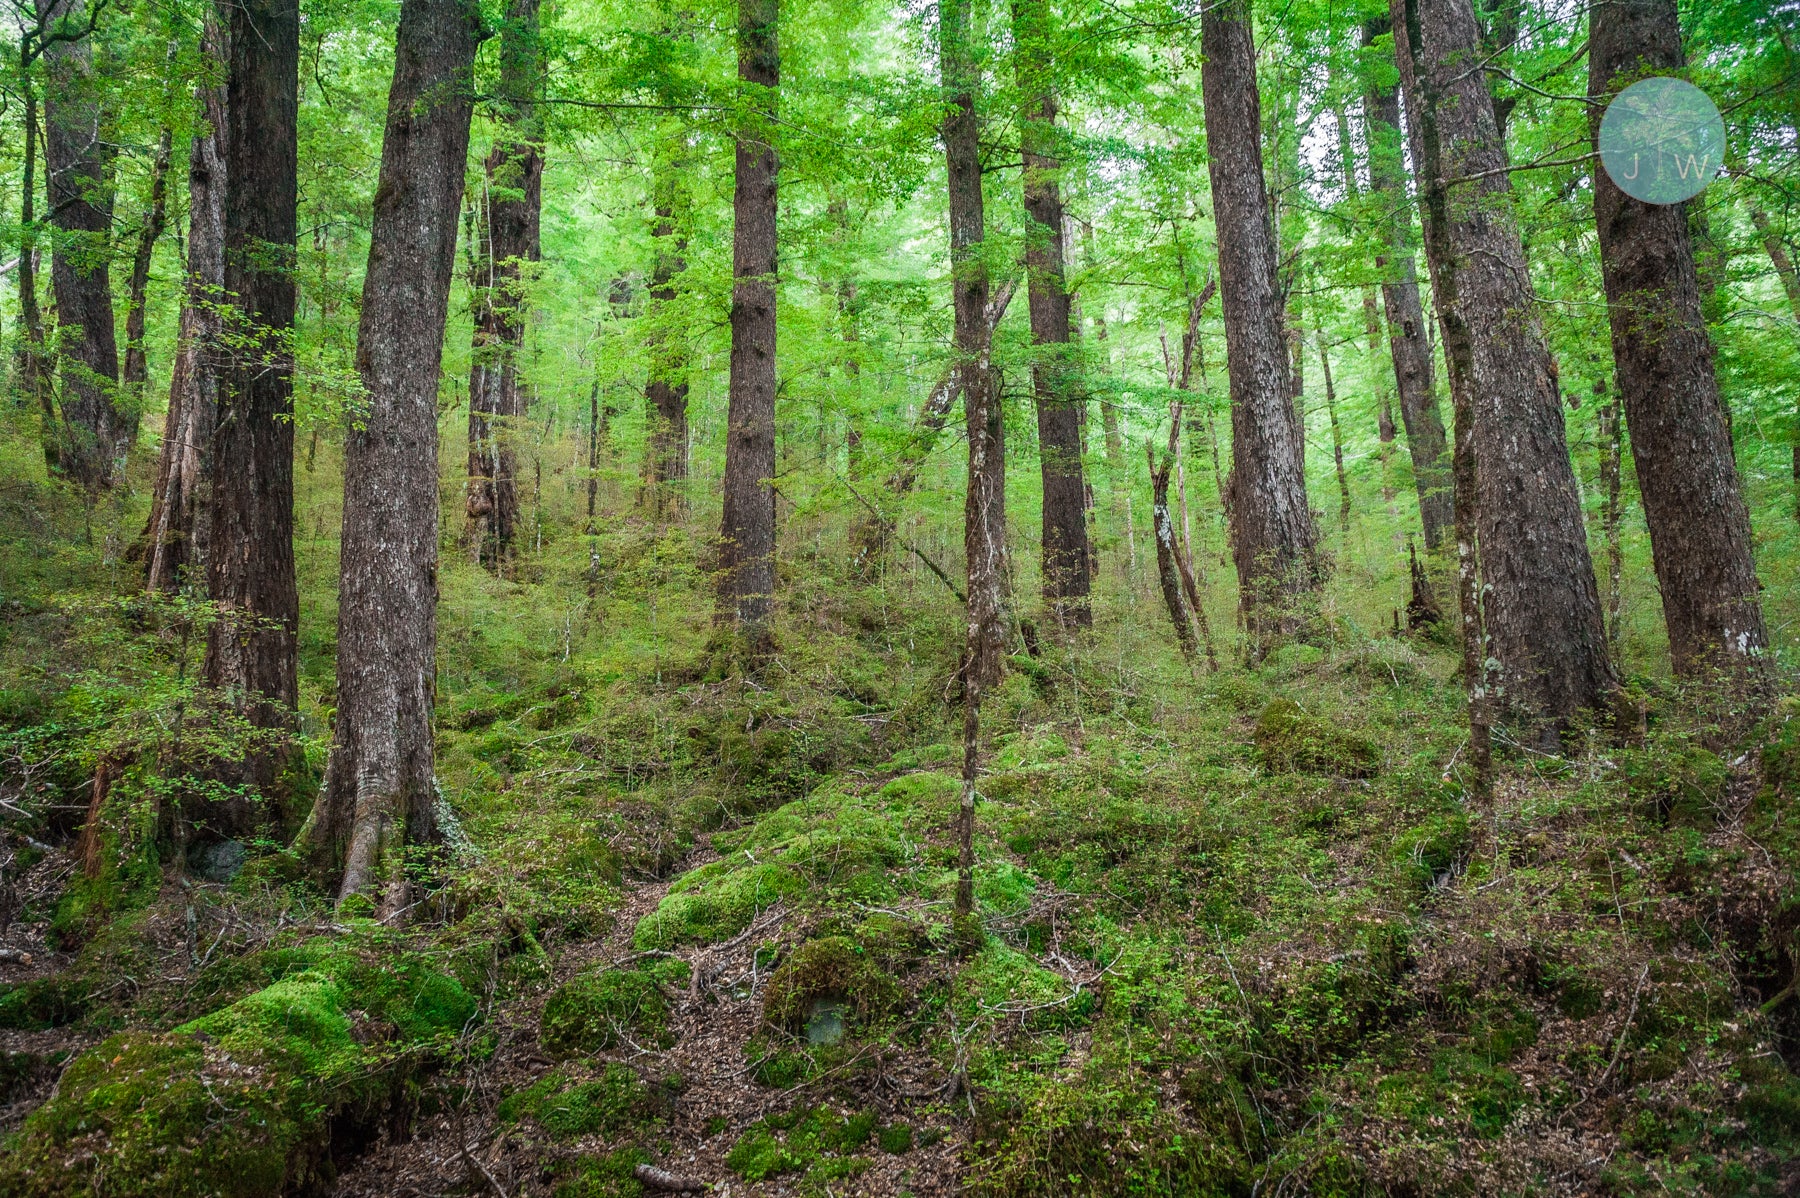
[616, 1101]
[595, 1012]
[43, 1002]
[817, 1142]
[834, 968]
[1287, 739]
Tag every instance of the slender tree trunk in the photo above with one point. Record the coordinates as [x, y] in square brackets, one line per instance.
[984, 514]
[252, 649]
[1542, 614]
[747, 531]
[137, 365]
[33, 361]
[1274, 540]
[1055, 377]
[666, 391]
[1337, 434]
[1680, 440]
[1167, 571]
[378, 794]
[1790, 282]
[175, 538]
[1409, 334]
[507, 223]
[96, 427]
[1612, 452]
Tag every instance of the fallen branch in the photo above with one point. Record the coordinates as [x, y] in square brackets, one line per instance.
[660, 1179]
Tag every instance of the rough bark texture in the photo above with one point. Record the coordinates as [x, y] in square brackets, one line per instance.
[1542, 614]
[96, 427]
[1167, 572]
[378, 791]
[747, 531]
[32, 360]
[507, 240]
[1680, 440]
[1408, 337]
[666, 391]
[1274, 540]
[175, 538]
[1055, 380]
[251, 651]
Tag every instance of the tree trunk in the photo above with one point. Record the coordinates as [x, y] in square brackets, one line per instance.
[1542, 614]
[32, 360]
[378, 792]
[137, 365]
[252, 649]
[1408, 333]
[1167, 571]
[1612, 452]
[507, 224]
[175, 538]
[1055, 380]
[1790, 282]
[1337, 433]
[747, 530]
[96, 428]
[1274, 541]
[666, 391]
[1680, 441]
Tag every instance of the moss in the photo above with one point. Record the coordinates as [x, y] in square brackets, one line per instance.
[832, 968]
[616, 1101]
[1431, 849]
[146, 1114]
[815, 1142]
[611, 1176]
[896, 1139]
[595, 1012]
[1679, 785]
[1290, 741]
[1003, 979]
[43, 1003]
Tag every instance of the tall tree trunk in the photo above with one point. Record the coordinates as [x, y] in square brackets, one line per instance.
[33, 360]
[378, 794]
[1790, 282]
[175, 538]
[1337, 434]
[137, 365]
[1055, 379]
[96, 427]
[507, 224]
[1409, 335]
[747, 530]
[984, 510]
[1680, 440]
[1612, 453]
[252, 649]
[1542, 614]
[666, 391]
[1274, 541]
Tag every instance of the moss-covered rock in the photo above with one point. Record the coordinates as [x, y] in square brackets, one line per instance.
[595, 1012]
[616, 1101]
[831, 969]
[1288, 740]
[242, 1101]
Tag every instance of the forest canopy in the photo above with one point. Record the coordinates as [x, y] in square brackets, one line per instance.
[1021, 596]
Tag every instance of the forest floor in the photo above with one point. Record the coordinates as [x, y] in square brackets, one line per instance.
[1242, 932]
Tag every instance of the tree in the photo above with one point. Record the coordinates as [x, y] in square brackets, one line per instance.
[507, 241]
[747, 531]
[666, 389]
[1407, 341]
[1680, 434]
[96, 428]
[1057, 386]
[1274, 540]
[378, 793]
[175, 537]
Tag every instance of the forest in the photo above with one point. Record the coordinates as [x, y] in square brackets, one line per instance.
[825, 597]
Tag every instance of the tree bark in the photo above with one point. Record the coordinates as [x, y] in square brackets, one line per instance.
[747, 530]
[32, 359]
[1542, 614]
[507, 224]
[175, 539]
[137, 365]
[96, 427]
[1680, 440]
[1337, 433]
[378, 793]
[1054, 371]
[252, 648]
[1167, 571]
[1408, 335]
[1274, 540]
[666, 391]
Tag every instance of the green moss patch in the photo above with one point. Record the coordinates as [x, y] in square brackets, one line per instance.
[1288, 740]
[833, 968]
[596, 1012]
[818, 1141]
[616, 1101]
